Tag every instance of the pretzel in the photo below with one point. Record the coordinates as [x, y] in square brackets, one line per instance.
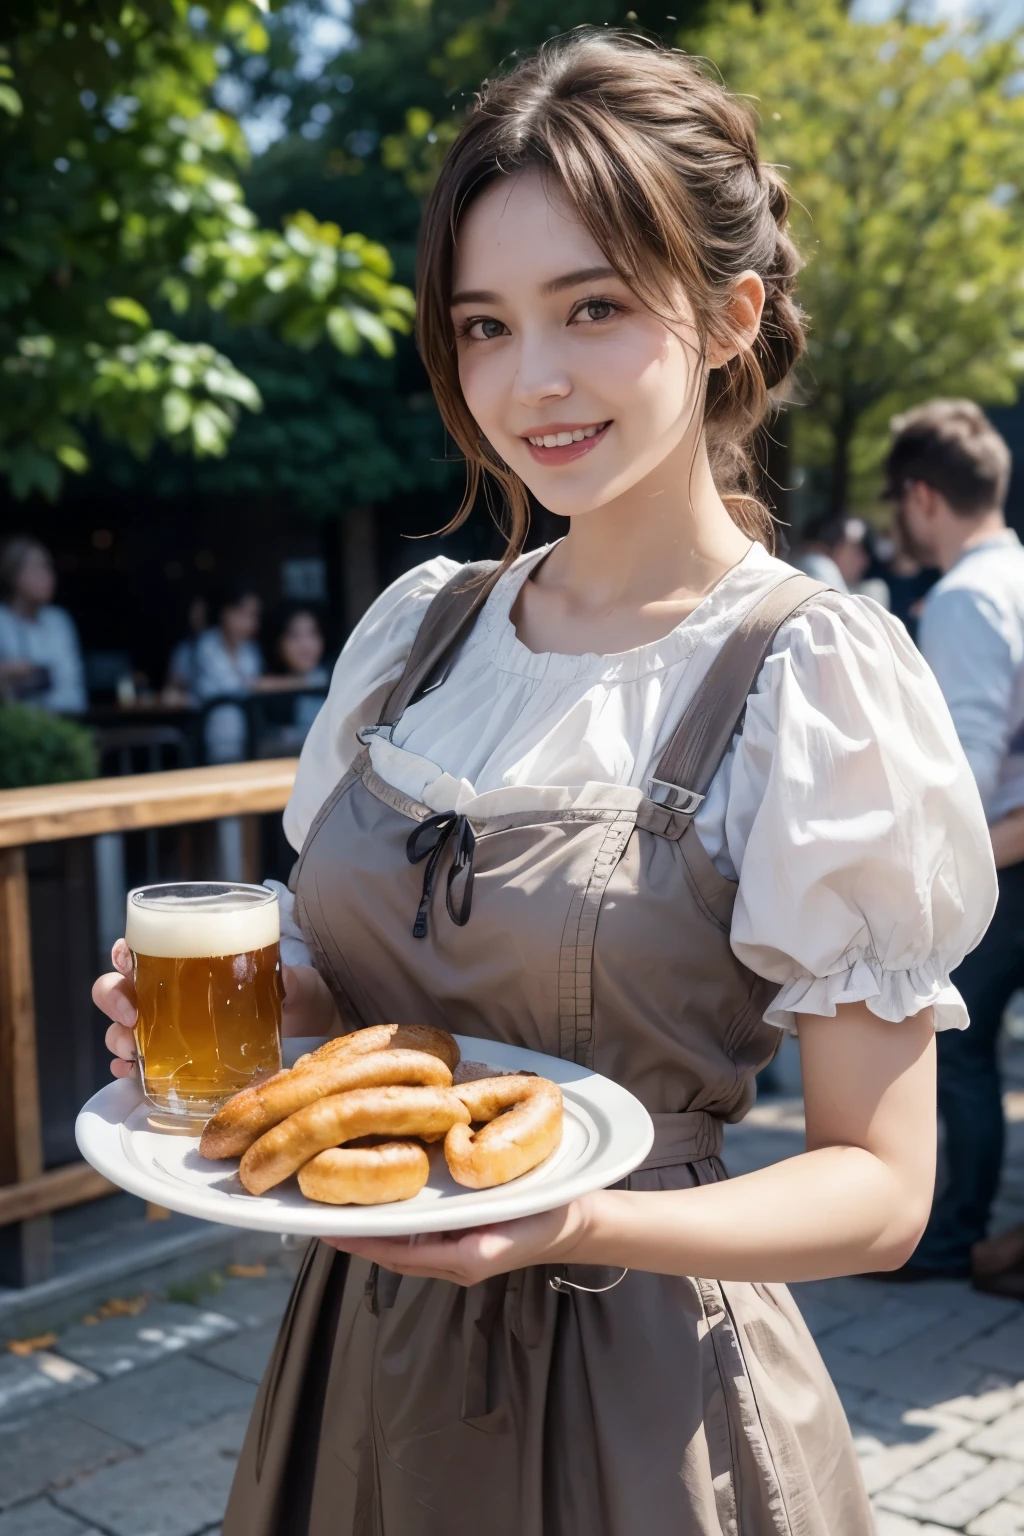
[426, 1112]
[366, 1174]
[524, 1126]
[382, 1037]
[252, 1112]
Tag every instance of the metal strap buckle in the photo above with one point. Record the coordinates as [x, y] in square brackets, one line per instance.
[366, 731]
[673, 796]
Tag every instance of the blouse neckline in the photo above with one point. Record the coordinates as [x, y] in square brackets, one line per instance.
[495, 628]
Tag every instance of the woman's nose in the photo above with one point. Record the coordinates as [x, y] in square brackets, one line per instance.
[541, 374]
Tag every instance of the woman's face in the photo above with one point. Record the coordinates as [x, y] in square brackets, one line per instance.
[36, 581]
[301, 645]
[240, 622]
[580, 389]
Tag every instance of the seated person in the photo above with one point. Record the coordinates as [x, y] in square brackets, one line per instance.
[180, 687]
[40, 657]
[296, 651]
[228, 663]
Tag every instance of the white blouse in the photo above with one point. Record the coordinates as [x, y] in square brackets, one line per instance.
[845, 807]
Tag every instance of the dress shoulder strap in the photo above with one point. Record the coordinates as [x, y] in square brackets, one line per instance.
[701, 739]
[447, 621]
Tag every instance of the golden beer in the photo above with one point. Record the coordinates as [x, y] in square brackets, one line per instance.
[208, 983]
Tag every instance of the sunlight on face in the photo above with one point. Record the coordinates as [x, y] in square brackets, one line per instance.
[553, 345]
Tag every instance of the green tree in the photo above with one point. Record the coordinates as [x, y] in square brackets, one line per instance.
[904, 145]
[123, 222]
[365, 134]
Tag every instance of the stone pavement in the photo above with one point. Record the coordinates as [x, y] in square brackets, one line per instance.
[129, 1422]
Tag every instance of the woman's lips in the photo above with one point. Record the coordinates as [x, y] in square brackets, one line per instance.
[569, 451]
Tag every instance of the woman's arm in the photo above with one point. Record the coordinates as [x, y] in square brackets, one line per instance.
[856, 1199]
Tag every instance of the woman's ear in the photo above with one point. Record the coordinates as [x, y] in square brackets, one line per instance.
[742, 320]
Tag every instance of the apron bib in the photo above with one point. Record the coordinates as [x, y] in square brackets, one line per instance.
[588, 923]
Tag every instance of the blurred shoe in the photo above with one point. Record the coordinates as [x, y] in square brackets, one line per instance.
[997, 1264]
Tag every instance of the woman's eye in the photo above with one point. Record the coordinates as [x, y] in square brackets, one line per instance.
[596, 309]
[483, 329]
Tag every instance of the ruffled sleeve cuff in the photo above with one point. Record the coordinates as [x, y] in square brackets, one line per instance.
[890, 995]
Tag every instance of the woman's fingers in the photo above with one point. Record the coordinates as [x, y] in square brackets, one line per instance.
[121, 958]
[114, 995]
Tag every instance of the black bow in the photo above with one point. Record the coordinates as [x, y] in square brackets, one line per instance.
[428, 842]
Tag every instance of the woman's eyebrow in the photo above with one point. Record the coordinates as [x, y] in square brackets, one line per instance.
[555, 285]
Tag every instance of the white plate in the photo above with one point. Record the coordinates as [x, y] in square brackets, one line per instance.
[607, 1133]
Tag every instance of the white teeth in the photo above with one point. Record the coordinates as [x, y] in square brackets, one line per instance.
[563, 439]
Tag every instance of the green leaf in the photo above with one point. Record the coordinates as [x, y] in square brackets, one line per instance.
[72, 458]
[10, 101]
[130, 310]
[175, 412]
[341, 328]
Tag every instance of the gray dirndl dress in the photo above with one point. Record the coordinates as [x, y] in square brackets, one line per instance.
[598, 932]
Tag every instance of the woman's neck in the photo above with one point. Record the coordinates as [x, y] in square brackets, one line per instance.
[24, 607]
[670, 538]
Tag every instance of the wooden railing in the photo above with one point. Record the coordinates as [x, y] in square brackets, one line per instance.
[51, 814]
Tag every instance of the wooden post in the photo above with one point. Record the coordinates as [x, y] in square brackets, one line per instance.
[24, 1247]
[360, 580]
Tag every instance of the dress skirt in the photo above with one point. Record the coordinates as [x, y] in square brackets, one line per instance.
[395, 1406]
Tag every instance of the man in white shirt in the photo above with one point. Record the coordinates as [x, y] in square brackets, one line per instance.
[948, 471]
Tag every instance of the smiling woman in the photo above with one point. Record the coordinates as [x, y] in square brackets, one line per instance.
[672, 228]
[642, 800]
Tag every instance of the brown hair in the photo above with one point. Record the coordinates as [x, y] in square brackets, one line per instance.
[660, 164]
[952, 446]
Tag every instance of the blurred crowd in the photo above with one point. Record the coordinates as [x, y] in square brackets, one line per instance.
[230, 651]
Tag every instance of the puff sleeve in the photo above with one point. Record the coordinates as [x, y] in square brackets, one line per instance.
[855, 825]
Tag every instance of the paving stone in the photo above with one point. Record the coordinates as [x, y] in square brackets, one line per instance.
[918, 1436]
[253, 1302]
[903, 1375]
[993, 1396]
[1001, 1520]
[40, 1518]
[822, 1316]
[939, 1475]
[975, 1314]
[889, 1524]
[1004, 1437]
[965, 1503]
[122, 1343]
[159, 1403]
[894, 1321]
[27, 1382]
[51, 1448]
[176, 1489]
[245, 1353]
[1002, 1349]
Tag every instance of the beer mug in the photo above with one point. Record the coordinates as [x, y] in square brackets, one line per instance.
[207, 966]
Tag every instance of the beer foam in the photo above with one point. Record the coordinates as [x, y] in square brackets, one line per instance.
[194, 927]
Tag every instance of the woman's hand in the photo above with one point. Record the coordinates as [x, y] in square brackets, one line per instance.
[466, 1258]
[308, 1007]
[114, 995]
